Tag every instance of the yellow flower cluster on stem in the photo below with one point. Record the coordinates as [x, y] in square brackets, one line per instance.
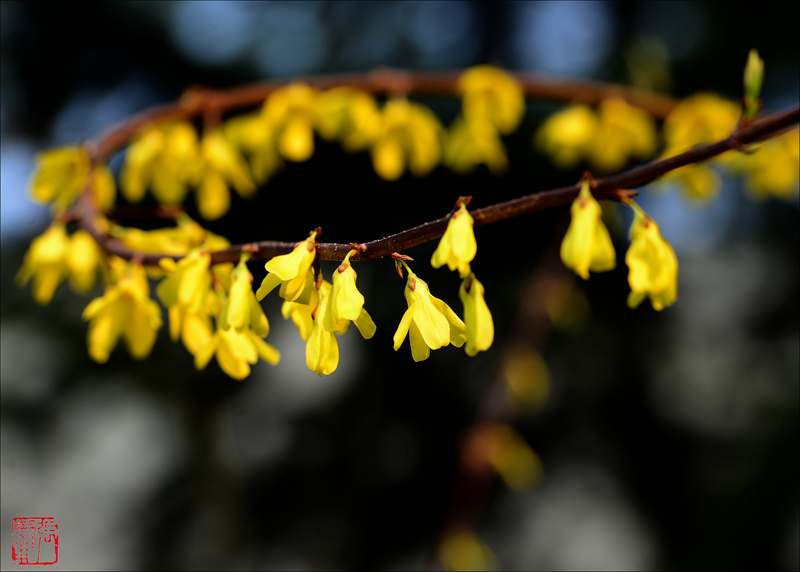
[238, 340]
[493, 105]
[292, 272]
[607, 137]
[53, 257]
[409, 138]
[62, 174]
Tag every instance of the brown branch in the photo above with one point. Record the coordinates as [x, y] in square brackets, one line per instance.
[607, 188]
[211, 102]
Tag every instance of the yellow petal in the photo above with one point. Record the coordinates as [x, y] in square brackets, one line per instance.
[419, 347]
[267, 285]
[231, 363]
[365, 324]
[196, 333]
[402, 329]
[265, 351]
[296, 143]
[213, 197]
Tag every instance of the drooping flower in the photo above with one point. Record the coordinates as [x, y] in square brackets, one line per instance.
[292, 272]
[567, 135]
[236, 351]
[255, 135]
[222, 165]
[492, 95]
[45, 262]
[699, 119]
[652, 264]
[348, 115]
[322, 349]
[189, 281]
[53, 257]
[302, 314]
[291, 110]
[409, 138]
[606, 137]
[587, 244]
[477, 317]
[62, 174]
[773, 169]
[242, 310]
[429, 322]
[125, 310]
[83, 261]
[623, 131]
[346, 303]
[457, 247]
[163, 157]
[467, 145]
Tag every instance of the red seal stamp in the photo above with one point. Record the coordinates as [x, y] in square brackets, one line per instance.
[34, 540]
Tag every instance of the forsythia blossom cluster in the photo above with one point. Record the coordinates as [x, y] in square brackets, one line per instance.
[652, 264]
[494, 104]
[213, 309]
[607, 137]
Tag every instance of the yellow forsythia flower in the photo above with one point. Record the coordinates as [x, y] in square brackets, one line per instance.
[462, 550]
[302, 314]
[409, 136]
[467, 145]
[652, 264]
[773, 170]
[163, 157]
[567, 135]
[493, 95]
[345, 303]
[62, 174]
[189, 281]
[235, 351]
[242, 310]
[348, 115]
[429, 322]
[457, 247]
[623, 131]
[175, 241]
[222, 165]
[322, 349]
[255, 134]
[587, 244]
[293, 272]
[291, 110]
[607, 138]
[83, 261]
[45, 262]
[125, 310]
[477, 317]
[702, 118]
[53, 257]
[699, 182]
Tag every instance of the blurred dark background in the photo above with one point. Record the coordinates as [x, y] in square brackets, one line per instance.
[669, 439]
